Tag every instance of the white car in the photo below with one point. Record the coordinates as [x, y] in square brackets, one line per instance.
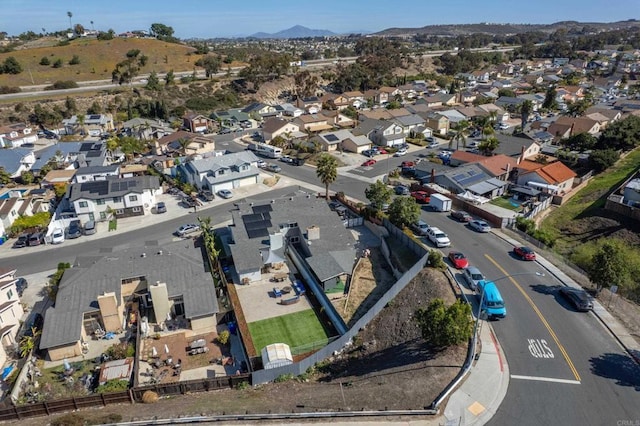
[57, 237]
[400, 152]
[473, 276]
[433, 144]
[480, 226]
[437, 237]
[503, 126]
[225, 193]
[187, 229]
[262, 164]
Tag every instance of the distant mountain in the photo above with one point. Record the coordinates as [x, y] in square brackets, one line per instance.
[297, 31]
[504, 29]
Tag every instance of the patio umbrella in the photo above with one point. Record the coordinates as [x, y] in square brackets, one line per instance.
[166, 349]
[67, 366]
[154, 352]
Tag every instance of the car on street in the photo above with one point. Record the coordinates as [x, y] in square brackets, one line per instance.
[402, 190]
[90, 227]
[57, 236]
[370, 153]
[74, 230]
[273, 168]
[225, 193]
[503, 126]
[473, 276]
[400, 152]
[161, 207]
[420, 227]
[579, 298]
[36, 239]
[458, 259]
[369, 163]
[286, 159]
[433, 144]
[187, 229]
[407, 164]
[421, 197]
[261, 164]
[22, 241]
[524, 253]
[461, 216]
[479, 226]
[438, 237]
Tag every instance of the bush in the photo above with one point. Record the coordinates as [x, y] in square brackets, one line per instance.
[105, 419]
[60, 85]
[149, 397]
[75, 60]
[115, 385]
[57, 63]
[121, 351]
[435, 260]
[45, 61]
[9, 89]
[70, 419]
[444, 326]
[223, 337]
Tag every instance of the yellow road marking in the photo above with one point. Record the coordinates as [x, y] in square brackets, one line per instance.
[544, 321]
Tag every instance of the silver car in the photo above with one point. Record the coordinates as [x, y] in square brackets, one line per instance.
[472, 276]
[480, 226]
[187, 229]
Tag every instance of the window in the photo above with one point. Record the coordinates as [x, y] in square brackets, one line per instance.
[294, 240]
[119, 211]
[133, 198]
[83, 204]
[100, 202]
[117, 199]
[103, 215]
[137, 209]
[9, 294]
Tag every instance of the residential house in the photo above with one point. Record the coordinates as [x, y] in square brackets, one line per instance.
[459, 158]
[275, 127]
[313, 123]
[299, 229]
[121, 197]
[381, 132]
[375, 114]
[17, 160]
[431, 101]
[58, 178]
[164, 284]
[184, 143]
[256, 109]
[96, 173]
[386, 94]
[499, 166]
[469, 177]
[554, 178]
[566, 126]
[336, 118]
[509, 103]
[453, 115]
[311, 104]
[489, 109]
[145, 128]
[227, 171]
[612, 115]
[631, 193]
[409, 122]
[357, 144]
[15, 135]
[195, 123]
[467, 97]
[481, 77]
[355, 98]
[11, 313]
[437, 122]
[288, 110]
[233, 118]
[92, 124]
[533, 79]
[516, 147]
[338, 102]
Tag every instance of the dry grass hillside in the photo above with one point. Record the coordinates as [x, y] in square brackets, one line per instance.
[97, 60]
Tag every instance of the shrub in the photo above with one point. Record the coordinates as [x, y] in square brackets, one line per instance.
[223, 337]
[115, 385]
[58, 85]
[75, 60]
[57, 63]
[149, 397]
[121, 351]
[9, 89]
[435, 260]
[444, 326]
[242, 386]
[45, 61]
[284, 378]
[70, 419]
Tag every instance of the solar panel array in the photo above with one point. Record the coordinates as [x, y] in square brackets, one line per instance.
[98, 187]
[94, 117]
[257, 224]
[331, 137]
[123, 186]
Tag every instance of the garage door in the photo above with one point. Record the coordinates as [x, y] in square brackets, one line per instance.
[226, 185]
[247, 181]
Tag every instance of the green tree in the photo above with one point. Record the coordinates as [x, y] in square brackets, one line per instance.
[45, 61]
[125, 71]
[27, 177]
[623, 134]
[11, 66]
[550, 102]
[162, 32]
[28, 343]
[443, 326]
[608, 266]
[5, 177]
[57, 63]
[580, 142]
[211, 65]
[460, 135]
[75, 60]
[78, 29]
[169, 78]
[69, 14]
[153, 83]
[489, 145]
[601, 159]
[525, 108]
[403, 211]
[327, 171]
[378, 194]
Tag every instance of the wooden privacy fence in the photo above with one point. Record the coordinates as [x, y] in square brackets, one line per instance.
[131, 396]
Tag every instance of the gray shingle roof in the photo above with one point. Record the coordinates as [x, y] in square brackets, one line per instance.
[112, 188]
[224, 161]
[181, 267]
[10, 159]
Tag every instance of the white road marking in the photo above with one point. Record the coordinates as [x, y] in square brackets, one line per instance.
[546, 379]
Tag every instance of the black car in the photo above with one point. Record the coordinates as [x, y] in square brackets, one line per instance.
[34, 324]
[579, 298]
[21, 285]
[22, 241]
[74, 230]
[189, 202]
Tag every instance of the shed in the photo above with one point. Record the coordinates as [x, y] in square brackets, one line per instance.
[119, 369]
[276, 355]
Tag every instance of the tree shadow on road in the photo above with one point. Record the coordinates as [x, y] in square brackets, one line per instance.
[618, 367]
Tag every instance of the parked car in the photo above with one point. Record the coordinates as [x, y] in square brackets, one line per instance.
[382, 151]
[161, 207]
[286, 159]
[262, 164]
[473, 276]
[90, 227]
[479, 226]
[273, 168]
[503, 126]
[207, 195]
[461, 216]
[408, 164]
[57, 236]
[34, 323]
[433, 144]
[400, 152]
[421, 197]
[187, 229]
[225, 193]
[369, 163]
[22, 241]
[189, 202]
[402, 190]
[21, 285]
[430, 139]
[458, 259]
[420, 227]
[36, 239]
[524, 253]
[74, 230]
[370, 153]
[437, 237]
[579, 298]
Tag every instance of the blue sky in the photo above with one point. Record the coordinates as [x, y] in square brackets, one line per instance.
[216, 18]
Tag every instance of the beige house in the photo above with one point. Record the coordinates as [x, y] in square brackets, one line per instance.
[313, 123]
[437, 122]
[10, 312]
[275, 127]
[357, 144]
[161, 286]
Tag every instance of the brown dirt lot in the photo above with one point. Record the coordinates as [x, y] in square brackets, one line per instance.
[389, 358]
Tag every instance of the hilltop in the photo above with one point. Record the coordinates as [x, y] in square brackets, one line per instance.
[97, 59]
[505, 29]
[297, 31]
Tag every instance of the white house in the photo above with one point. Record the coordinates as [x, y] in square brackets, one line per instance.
[15, 135]
[126, 197]
[228, 171]
[10, 311]
[95, 173]
[17, 160]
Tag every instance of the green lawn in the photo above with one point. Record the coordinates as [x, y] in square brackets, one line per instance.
[297, 329]
[505, 203]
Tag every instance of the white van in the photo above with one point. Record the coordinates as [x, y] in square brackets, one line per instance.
[57, 236]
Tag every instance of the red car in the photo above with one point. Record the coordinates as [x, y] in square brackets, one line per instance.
[458, 260]
[369, 163]
[408, 164]
[382, 151]
[421, 196]
[524, 253]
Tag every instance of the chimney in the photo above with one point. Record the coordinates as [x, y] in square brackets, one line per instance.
[433, 176]
[521, 157]
[313, 233]
[143, 255]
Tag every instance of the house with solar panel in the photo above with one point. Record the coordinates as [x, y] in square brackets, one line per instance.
[301, 231]
[97, 200]
[92, 124]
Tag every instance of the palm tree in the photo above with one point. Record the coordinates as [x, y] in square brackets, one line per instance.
[327, 171]
[81, 118]
[69, 14]
[184, 144]
[460, 134]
